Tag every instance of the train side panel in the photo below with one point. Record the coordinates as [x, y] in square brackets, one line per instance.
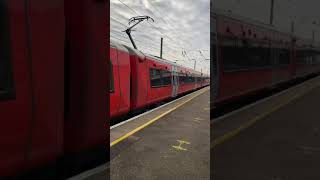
[46, 21]
[86, 116]
[245, 70]
[32, 111]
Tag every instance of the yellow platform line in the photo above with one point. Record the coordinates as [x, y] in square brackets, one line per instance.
[153, 120]
[251, 122]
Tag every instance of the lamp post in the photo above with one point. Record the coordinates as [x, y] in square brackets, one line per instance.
[271, 12]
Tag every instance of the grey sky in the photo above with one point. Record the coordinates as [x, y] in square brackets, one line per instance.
[302, 12]
[184, 24]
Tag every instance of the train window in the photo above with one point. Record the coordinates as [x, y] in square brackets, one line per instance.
[228, 53]
[155, 76]
[284, 56]
[159, 78]
[166, 77]
[305, 56]
[181, 78]
[185, 78]
[192, 79]
[239, 54]
[7, 90]
[111, 77]
[260, 54]
[316, 57]
[301, 56]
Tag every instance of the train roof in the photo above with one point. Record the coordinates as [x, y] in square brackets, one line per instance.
[140, 53]
[249, 21]
[223, 13]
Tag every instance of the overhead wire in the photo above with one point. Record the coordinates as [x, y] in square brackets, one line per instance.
[148, 22]
[156, 28]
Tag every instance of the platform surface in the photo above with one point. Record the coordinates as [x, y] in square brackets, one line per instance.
[170, 142]
[175, 147]
[278, 139]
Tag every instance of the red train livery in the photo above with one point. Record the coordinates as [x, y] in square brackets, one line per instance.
[138, 80]
[249, 56]
[52, 82]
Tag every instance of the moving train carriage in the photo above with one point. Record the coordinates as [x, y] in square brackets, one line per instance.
[31, 85]
[139, 80]
[250, 58]
[49, 105]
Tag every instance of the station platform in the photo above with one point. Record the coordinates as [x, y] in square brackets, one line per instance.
[168, 142]
[277, 138]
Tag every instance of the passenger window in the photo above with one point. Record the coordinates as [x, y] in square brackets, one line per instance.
[155, 77]
[240, 54]
[7, 90]
[166, 78]
[159, 78]
[284, 56]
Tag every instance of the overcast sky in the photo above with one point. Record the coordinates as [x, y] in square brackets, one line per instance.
[184, 25]
[302, 12]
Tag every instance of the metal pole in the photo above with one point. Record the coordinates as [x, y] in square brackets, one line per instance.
[128, 31]
[271, 12]
[195, 62]
[313, 35]
[161, 45]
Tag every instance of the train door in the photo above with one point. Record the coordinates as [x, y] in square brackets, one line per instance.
[175, 82]
[214, 66]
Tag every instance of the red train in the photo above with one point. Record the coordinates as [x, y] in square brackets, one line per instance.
[248, 57]
[50, 106]
[138, 80]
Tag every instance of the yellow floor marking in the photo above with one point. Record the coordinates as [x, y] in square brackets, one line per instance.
[153, 120]
[181, 142]
[247, 124]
